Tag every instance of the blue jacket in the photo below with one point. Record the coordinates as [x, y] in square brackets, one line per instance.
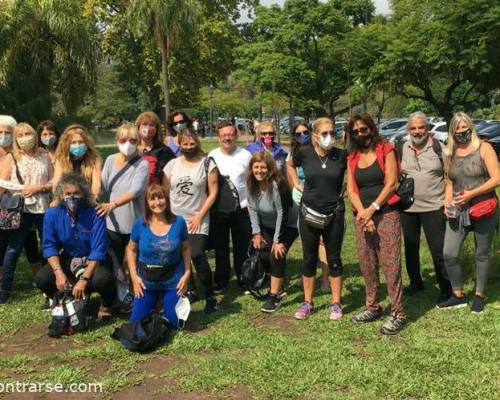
[87, 237]
[277, 152]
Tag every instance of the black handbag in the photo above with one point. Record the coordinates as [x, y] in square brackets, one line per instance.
[405, 192]
[11, 206]
[254, 277]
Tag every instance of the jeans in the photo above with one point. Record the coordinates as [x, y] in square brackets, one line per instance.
[434, 225]
[238, 223]
[144, 305]
[16, 241]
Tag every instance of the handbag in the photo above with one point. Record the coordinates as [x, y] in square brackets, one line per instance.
[68, 315]
[254, 277]
[404, 196]
[482, 207]
[11, 206]
[315, 219]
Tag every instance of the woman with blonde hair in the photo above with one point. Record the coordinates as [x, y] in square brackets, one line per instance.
[265, 141]
[77, 152]
[28, 171]
[470, 205]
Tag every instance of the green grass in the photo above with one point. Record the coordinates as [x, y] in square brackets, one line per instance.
[439, 355]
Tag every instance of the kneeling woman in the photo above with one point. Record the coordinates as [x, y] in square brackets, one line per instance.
[75, 245]
[158, 257]
[269, 200]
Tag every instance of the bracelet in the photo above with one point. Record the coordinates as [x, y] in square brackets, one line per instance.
[375, 206]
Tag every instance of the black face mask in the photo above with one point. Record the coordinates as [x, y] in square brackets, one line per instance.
[362, 141]
[189, 153]
[463, 137]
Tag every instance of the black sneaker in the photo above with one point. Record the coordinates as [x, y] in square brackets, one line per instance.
[453, 302]
[211, 305]
[192, 296]
[412, 290]
[47, 304]
[366, 316]
[4, 296]
[272, 303]
[478, 304]
[393, 325]
[444, 295]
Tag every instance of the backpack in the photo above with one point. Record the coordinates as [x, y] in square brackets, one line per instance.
[143, 335]
[228, 199]
[68, 315]
[254, 277]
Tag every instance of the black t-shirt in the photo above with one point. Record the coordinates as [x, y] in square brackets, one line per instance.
[370, 181]
[322, 186]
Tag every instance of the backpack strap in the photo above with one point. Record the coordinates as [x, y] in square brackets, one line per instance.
[18, 175]
[436, 146]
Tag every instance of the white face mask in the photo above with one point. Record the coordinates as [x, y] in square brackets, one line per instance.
[326, 142]
[127, 148]
[182, 309]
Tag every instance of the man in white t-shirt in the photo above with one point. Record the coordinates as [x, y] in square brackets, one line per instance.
[232, 162]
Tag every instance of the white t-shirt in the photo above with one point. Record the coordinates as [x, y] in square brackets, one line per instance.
[234, 165]
[188, 189]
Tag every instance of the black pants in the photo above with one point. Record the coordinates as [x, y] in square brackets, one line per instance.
[238, 223]
[276, 266]
[118, 244]
[198, 244]
[102, 281]
[332, 234]
[434, 224]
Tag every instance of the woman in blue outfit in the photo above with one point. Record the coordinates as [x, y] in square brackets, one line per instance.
[158, 257]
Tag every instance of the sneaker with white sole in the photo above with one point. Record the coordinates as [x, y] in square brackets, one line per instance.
[336, 312]
[366, 316]
[478, 304]
[453, 302]
[304, 310]
[272, 303]
[393, 325]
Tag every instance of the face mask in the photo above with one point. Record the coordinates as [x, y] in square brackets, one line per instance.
[147, 133]
[303, 139]
[26, 142]
[72, 203]
[189, 153]
[362, 141]
[180, 127]
[127, 148]
[5, 140]
[463, 137]
[49, 141]
[326, 142]
[77, 150]
[419, 140]
[182, 309]
[268, 140]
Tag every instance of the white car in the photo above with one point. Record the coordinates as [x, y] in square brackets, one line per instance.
[439, 131]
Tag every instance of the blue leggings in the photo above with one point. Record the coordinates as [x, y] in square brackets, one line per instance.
[143, 306]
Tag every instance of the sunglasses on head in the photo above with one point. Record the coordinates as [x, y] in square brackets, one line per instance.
[363, 129]
[268, 133]
[125, 140]
[326, 133]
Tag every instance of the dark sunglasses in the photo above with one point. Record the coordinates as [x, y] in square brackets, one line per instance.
[363, 129]
[326, 133]
[125, 140]
[182, 121]
[302, 133]
[269, 133]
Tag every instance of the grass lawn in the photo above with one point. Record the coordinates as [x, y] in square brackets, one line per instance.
[240, 353]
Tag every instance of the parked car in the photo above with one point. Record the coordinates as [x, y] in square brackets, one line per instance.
[439, 131]
[489, 131]
[284, 124]
[390, 127]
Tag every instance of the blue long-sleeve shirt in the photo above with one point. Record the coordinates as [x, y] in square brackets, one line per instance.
[86, 237]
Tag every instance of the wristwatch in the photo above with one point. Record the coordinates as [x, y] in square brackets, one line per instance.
[375, 206]
[84, 278]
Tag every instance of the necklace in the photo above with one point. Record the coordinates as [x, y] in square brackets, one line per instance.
[323, 161]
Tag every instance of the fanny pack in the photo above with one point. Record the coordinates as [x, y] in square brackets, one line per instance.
[315, 219]
[483, 206]
[157, 273]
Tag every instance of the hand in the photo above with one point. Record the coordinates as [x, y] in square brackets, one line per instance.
[61, 281]
[278, 250]
[104, 209]
[463, 198]
[30, 190]
[138, 286]
[79, 289]
[258, 242]
[183, 284]
[194, 224]
[365, 215]
[299, 187]
[446, 205]
[369, 226]
[54, 203]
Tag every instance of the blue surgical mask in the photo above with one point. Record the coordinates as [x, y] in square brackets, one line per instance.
[49, 141]
[6, 140]
[72, 203]
[78, 150]
[179, 127]
[305, 138]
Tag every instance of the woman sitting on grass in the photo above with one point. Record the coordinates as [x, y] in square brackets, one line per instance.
[158, 257]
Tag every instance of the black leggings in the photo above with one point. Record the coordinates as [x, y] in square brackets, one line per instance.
[276, 266]
[333, 235]
[198, 244]
[118, 244]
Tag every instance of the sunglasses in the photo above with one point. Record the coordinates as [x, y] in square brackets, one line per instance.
[301, 133]
[326, 133]
[125, 140]
[269, 133]
[182, 121]
[363, 129]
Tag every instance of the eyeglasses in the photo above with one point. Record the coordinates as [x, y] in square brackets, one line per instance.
[302, 133]
[268, 133]
[125, 140]
[363, 129]
[326, 133]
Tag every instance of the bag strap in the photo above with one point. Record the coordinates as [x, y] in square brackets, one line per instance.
[438, 150]
[19, 178]
[121, 172]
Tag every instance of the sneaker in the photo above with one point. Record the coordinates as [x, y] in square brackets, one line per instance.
[393, 325]
[192, 296]
[219, 289]
[47, 304]
[104, 313]
[282, 294]
[211, 305]
[304, 310]
[247, 292]
[367, 316]
[412, 290]
[453, 302]
[272, 303]
[335, 312]
[4, 296]
[478, 304]
[444, 295]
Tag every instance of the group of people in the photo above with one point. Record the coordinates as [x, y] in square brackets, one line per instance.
[156, 207]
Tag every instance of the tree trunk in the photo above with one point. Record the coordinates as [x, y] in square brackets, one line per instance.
[291, 121]
[164, 74]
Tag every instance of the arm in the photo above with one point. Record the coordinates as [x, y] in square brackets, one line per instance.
[491, 162]
[30, 190]
[257, 238]
[137, 283]
[186, 257]
[293, 178]
[278, 249]
[51, 245]
[99, 242]
[213, 187]
[96, 180]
